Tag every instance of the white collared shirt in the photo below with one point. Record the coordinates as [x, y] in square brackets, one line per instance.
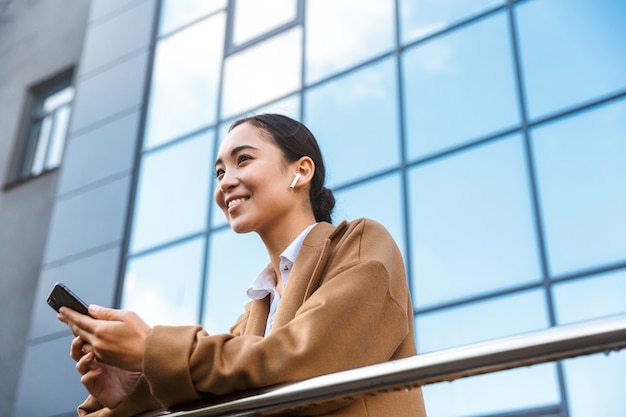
[265, 282]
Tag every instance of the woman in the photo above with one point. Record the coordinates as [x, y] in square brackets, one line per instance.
[332, 297]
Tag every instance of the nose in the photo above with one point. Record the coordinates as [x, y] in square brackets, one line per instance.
[227, 182]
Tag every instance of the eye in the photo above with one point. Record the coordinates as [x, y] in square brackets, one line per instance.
[243, 158]
[219, 172]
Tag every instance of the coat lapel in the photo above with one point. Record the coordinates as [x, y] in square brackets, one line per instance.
[307, 270]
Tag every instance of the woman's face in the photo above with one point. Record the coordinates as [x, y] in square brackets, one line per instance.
[253, 181]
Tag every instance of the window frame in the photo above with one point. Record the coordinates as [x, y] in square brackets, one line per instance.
[33, 114]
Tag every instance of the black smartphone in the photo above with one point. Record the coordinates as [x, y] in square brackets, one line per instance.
[61, 296]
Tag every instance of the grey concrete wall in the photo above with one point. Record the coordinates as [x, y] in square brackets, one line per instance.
[37, 40]
[90, 211]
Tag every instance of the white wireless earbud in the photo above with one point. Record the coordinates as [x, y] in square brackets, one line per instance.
[295, 181]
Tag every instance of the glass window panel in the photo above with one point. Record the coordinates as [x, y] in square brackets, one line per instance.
[217, 216]
[57, 143]
[472, 226]
[477, 322]
[343, 33]
[380, 200]
[254, 18]
[176, 13]
[423, 17]
[460, 86]
[355, 120]
[571, 51]
[581, 166]
[289, 106]
[596, 384]
[276, 73]
[42, 138]
[172, 192]
[58, 99]
[230, 275]
[590, 298]
[185, 82]
[499, 392]
[163, 287]
[30, 150]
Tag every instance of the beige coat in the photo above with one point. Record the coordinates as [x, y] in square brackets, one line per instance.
[346, 305]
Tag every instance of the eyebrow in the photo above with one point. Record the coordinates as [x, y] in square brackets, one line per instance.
[235, 151]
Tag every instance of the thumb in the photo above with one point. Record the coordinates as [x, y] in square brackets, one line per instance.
[103, 313]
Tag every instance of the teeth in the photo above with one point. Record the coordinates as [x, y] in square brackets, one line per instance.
[235, 201]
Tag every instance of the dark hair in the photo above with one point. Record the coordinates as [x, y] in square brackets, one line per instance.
[295, 141]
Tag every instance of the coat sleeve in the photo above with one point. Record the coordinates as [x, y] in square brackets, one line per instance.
[358, 316]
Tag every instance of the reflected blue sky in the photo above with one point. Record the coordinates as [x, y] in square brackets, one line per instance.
[596, 385]
[498, 392]
[459, 87]
[164, 286]
[591, 297]
[235, 261]
[356, 202]
[357, 130]
[472, 225]
[482, 321]
[571, 51]
[425, 17]
[581, 166]
[171, 200]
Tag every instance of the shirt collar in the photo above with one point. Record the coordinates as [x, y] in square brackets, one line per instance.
[265, 282]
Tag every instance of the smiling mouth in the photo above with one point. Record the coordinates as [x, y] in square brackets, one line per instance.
[236, 201]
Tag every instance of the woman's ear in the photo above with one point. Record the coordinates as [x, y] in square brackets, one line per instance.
[305, 169]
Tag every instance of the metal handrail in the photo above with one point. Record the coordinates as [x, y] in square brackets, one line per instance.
[594, 336]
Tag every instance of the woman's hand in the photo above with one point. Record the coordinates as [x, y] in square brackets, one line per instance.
[108, 384]
[116, 337]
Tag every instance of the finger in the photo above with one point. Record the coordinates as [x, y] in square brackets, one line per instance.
[76, 348]
[80, 324]
[62, 317]
[85, 364]
[103, 313]
[89, 377]
[67, 314]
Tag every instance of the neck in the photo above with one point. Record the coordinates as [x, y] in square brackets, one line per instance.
[277, 240]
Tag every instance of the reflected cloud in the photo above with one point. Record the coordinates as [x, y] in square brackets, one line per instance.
[185, 81]
[437, 58]
[341, 33]
[162, 287]
[229, 277]
[430, 16]
[259, 74]
[177, 13]
[273, 13]
[154, 304]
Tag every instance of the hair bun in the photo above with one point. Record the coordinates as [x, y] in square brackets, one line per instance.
[324, 204]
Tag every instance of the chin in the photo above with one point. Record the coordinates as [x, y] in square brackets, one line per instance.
[239, 227]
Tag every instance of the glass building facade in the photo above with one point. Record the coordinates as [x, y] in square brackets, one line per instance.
[488, 136]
